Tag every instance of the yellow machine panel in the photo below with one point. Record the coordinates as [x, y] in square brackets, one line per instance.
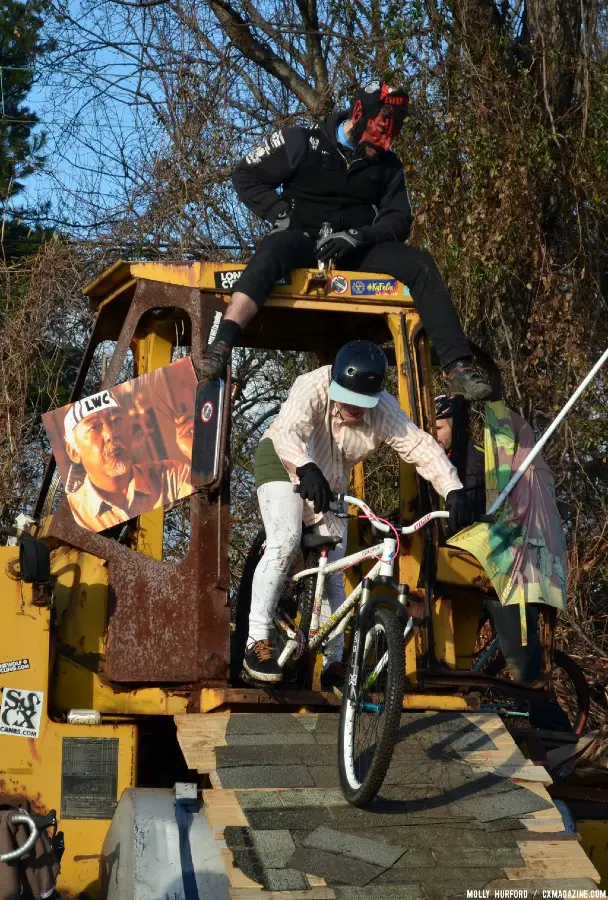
[594, 838]
[79, 770]
[80, 597]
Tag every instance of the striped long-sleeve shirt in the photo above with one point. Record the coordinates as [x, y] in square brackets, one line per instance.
[309, 428]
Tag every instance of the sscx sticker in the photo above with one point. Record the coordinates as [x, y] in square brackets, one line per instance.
[21, 712]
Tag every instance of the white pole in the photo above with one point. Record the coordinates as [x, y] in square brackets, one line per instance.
[541, 443]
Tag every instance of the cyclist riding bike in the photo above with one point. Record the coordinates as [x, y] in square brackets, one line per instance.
[341, 171]
[333, 418]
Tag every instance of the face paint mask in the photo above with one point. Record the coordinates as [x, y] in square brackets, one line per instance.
[383, 113]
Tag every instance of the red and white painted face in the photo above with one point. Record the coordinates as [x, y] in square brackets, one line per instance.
[351, 413]
[379, 131]
[379, 117]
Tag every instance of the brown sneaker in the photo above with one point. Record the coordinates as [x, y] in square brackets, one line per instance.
[260, 664]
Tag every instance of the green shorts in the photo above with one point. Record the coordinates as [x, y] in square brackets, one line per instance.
[267, 466]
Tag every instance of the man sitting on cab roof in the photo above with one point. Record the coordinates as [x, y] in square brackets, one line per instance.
[342, 171]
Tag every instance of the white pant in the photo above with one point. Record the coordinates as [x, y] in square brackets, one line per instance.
[281, 512]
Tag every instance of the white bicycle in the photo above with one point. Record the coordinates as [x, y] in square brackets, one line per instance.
[373, 696]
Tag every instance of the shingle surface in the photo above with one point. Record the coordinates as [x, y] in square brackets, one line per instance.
[437, 829]
[353, 845]
[273, 848]
[336, 869]
[265, 777]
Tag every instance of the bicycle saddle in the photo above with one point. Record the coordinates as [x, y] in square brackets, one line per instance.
[311, 541]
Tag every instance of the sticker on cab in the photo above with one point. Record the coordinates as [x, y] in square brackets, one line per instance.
[373, 287]
[339, 284]
[225, 279]
[15, 665]
[21, 712]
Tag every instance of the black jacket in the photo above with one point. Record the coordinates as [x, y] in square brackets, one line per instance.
[474, 481]
[324, 183]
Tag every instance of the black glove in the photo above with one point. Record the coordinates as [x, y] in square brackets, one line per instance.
[314, 486]
[336, 245]
[281, 223]
[460, 509]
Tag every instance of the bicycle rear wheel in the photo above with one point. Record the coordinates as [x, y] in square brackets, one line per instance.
[298, 601]
[369, 723]
[569, 685]
[571, 690]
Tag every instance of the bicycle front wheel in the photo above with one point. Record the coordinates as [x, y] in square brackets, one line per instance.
[371, 709]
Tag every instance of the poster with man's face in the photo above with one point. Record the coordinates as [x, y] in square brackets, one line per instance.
[125, 451]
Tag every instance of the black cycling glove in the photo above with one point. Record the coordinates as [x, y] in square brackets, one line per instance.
[335, 245]
[281, 223]
[314, 487]
[460, 509]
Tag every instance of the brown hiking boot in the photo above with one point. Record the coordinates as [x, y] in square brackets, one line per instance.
[465, 380]
[214, 362]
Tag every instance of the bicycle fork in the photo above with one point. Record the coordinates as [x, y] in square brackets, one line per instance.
[361, 639]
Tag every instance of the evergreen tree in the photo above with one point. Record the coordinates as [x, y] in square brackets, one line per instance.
[21, 150]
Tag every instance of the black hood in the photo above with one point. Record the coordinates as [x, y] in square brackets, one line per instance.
[329, 124]
[328, 127]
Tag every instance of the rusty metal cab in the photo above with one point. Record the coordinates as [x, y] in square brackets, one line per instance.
[137, 637]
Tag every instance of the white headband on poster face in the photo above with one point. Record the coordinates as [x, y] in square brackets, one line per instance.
[83, 408]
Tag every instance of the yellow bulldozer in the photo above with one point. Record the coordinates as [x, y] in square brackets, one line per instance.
[106, 644]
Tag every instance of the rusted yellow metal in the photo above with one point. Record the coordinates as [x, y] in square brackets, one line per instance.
[154, 350]
[213, 699]
[32, 767]
[594, 838]
[80, 597]
[120, 291]
[443, 627]
[465, 617]
[201, 275]
[458, 568]
[150, 352]
[409, 562]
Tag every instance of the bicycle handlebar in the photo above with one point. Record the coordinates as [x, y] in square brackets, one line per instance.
[385, 527]
[22, 818]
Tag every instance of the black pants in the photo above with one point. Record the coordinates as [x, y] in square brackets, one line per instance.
[282, 251]
[524, 663]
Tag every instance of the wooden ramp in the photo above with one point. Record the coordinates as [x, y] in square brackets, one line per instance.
[461, 809]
